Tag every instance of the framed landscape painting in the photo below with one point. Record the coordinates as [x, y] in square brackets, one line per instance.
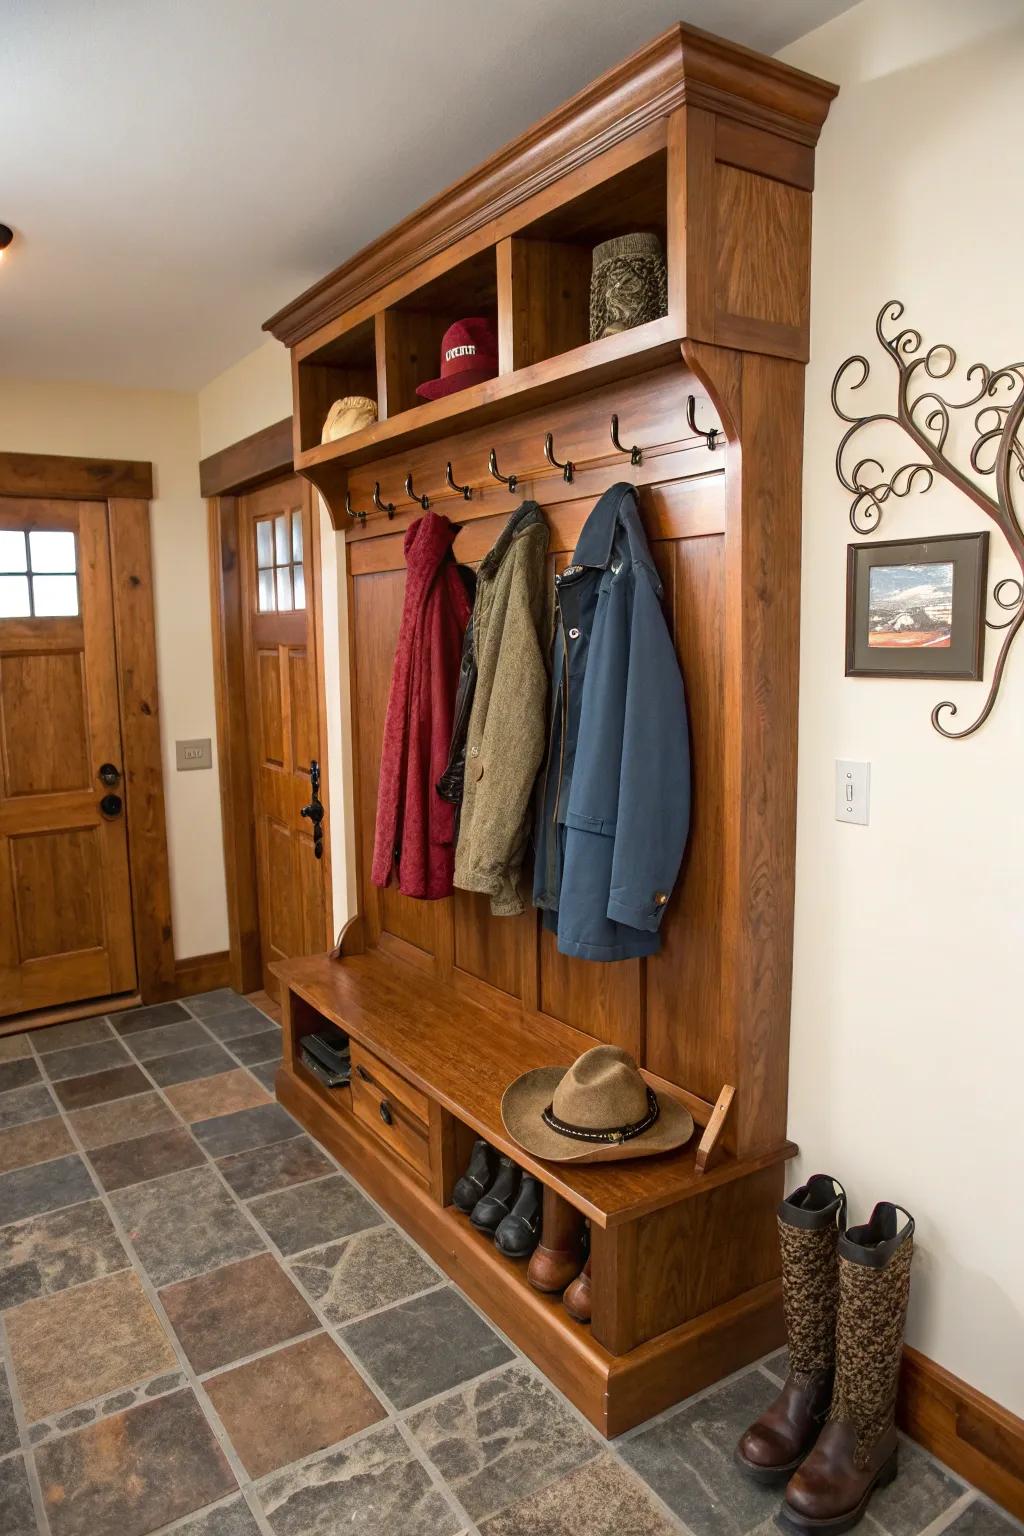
[916, 607]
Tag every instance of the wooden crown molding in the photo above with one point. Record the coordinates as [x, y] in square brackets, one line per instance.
[72, 479]
[685, 65]
[244, 464]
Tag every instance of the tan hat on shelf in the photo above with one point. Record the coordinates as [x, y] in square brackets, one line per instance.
[348, 415]
[598, 1110]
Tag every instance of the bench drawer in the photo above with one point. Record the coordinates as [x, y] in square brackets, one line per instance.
[392, 1109]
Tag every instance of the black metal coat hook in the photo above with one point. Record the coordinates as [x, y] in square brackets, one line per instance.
[465, 491]
[691, 422]
[511, 481]
[424, 501]
[636, 453]
[350, 509]
[549, 453]
[382, 506]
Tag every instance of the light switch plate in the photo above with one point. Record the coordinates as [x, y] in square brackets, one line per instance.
[193, 754]
[853, 792]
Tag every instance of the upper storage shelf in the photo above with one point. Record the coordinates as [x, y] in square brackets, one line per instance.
[696, 140]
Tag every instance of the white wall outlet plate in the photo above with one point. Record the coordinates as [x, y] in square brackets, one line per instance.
[853, 792]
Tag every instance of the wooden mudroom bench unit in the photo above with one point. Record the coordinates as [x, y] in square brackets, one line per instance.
[711, 147]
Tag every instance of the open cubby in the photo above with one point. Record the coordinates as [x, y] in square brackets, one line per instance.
[548, 264]
[346, 365]
[409, 333]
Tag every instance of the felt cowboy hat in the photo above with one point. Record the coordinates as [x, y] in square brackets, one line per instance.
[469, 354]
[598, 1110]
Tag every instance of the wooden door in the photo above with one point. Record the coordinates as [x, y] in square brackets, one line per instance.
[286, 735]
[65, 898]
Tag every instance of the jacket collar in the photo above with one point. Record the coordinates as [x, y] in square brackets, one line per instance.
[597, 537]
[616, 509]
[524, 517]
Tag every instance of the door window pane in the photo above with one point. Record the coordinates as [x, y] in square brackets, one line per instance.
[267, 601]
[296, 536]
[282, 539]
[13, 556]
[264, 544]
[284, 588]
[52, 549]
[14, 603]
[299, 584]
[55, 596]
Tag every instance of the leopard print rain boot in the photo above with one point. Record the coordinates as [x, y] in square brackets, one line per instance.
[810, 1220]
[856, 1451]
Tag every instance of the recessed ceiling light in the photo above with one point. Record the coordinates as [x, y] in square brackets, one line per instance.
[6, 236]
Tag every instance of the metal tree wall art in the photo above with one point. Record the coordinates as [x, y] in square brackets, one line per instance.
[996, 454]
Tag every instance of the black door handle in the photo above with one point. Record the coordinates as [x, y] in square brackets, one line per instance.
[385, 1112]
[111, 805]
[109, 775]
[314, 811]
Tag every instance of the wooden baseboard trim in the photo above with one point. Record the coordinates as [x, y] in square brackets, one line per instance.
[975, 1436]
[92, 1007]
[202, 973]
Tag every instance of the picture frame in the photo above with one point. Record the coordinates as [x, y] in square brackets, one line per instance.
[916, 607]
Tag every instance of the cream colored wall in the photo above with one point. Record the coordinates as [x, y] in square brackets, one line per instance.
[251, 395]
[96, 421]
[907, 1058]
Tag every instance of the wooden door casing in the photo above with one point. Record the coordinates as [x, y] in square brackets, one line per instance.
[285, 731]
[66, 930]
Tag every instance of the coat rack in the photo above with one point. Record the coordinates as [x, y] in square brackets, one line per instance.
[705, 437]
[997, 398]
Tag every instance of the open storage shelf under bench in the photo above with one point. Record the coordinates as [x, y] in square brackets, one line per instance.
[664, 1321]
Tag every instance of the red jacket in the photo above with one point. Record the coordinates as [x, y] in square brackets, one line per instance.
[415, 835]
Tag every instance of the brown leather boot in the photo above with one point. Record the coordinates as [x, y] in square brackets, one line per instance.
[557, 1258]
[577, 1296]
[856, 1451]
[809, 1223]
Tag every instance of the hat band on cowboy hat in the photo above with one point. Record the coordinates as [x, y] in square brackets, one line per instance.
[623, 1133]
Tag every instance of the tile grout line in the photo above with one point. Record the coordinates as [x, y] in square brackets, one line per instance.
[398, 1417]
[21, 1421]
[390, 1408]
[206, 1407]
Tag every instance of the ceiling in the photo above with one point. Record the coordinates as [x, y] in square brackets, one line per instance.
[176, 170]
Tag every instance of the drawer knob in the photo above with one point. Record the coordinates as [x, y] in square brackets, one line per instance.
[363, 1073]
[385, 1112]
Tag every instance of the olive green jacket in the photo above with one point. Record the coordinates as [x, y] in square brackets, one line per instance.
[507, 725]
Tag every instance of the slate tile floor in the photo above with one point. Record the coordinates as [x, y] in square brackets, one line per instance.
[207, 1329]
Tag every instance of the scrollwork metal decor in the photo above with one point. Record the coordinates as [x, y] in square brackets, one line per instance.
[996, 395]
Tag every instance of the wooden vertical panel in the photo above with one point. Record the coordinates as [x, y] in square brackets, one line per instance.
[411, 351]
[684, 1037]
[691, 221]
[135, 630]
[236, 800]
[761, 399]
[503, 252]
[550, 298]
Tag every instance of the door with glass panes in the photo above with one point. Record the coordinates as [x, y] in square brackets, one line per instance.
[65, 899]
[285, 729]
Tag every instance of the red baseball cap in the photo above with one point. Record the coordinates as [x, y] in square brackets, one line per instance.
[469, 354]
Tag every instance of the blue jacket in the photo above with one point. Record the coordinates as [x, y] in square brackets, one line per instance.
[614, 803]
